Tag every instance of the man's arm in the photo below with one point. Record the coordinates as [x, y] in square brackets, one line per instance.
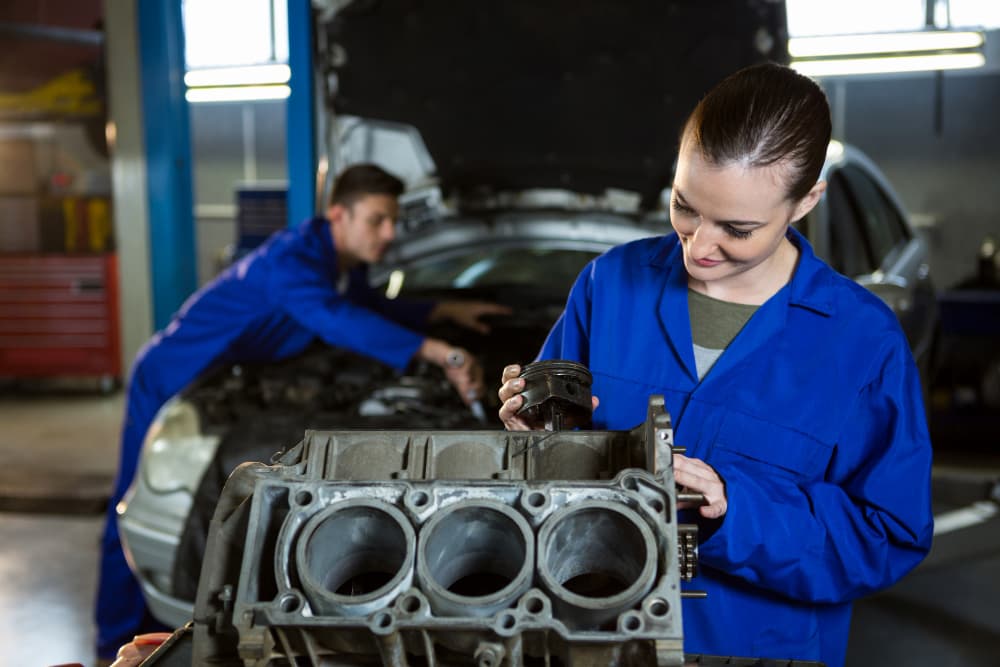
[417, 314]
[468, 314]
[317, 306]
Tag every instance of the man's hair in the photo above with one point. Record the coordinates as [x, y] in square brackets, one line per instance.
[763, 115]
[364, 179]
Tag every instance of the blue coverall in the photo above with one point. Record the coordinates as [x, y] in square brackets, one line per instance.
[813, 418]
[268, 306]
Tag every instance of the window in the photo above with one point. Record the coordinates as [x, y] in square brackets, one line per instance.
[880, 220]
[808, 17]
[539, 268]
[972, 14]
[230, 33]
[849, 251]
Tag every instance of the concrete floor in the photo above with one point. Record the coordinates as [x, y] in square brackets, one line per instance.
[50, 521]
[944, 614]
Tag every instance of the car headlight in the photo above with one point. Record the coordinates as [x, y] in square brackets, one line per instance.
[176, 452]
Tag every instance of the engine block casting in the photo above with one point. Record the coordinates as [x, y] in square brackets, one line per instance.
[450, 548]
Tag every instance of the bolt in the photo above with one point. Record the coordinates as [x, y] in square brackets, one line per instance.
[489, 655]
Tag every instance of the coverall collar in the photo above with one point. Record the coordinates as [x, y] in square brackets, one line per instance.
[809, 288]
[320, 226]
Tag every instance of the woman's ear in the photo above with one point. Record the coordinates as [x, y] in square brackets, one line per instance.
[809, 202]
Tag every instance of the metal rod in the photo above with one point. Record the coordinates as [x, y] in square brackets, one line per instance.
[692, 498]
[53, 33]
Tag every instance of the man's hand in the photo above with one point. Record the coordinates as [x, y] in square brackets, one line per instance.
[459, 366]
[511, 400]
[467, 313]
[699, 477]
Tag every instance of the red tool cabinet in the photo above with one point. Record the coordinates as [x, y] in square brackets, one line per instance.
[59, 316]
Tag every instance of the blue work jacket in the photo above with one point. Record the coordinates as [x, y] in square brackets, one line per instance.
[270, 305]
[812, 416]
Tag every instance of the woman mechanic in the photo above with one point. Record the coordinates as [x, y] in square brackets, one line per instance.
[792, 388]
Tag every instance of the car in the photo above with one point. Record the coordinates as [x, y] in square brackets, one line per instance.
[508, 213]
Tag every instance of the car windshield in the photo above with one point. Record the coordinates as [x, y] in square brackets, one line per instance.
[548, 269]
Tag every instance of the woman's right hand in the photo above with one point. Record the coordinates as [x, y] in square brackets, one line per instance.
[511, 400]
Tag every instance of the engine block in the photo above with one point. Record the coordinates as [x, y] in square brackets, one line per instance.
[450, 548]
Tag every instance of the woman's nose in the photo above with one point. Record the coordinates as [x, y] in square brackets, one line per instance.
[702, 240]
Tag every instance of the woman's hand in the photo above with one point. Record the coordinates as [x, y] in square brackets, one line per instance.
[697, 476]
[511, 400]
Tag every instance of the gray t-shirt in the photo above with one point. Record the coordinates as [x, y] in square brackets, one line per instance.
[714, 324]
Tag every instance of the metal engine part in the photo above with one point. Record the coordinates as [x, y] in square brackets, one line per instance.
[484, 548]
[556, 395]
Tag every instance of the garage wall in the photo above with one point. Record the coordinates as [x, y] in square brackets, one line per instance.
[233, 144]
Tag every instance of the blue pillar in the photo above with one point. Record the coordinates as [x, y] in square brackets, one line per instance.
[166, 134]
[300, 122]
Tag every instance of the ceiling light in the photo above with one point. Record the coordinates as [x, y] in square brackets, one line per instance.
[888, 64]
[237, 93]
[238, 76]
[887, 42]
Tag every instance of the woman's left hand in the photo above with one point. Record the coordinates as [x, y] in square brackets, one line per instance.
[699, 477]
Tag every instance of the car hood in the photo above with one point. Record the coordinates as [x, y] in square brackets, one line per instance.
[522, 94]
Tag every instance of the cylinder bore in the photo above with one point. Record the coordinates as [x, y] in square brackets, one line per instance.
[355, 557]
[475, 559]
[597, 560]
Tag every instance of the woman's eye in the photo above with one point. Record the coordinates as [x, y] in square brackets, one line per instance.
[738, 233]
[681, 208]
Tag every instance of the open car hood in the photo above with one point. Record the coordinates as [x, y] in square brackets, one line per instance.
[524, 94]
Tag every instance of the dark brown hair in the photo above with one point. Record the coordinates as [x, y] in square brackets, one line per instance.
[364, 179]
[762, 115]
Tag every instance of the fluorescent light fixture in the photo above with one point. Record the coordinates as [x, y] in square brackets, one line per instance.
[886, 42]
[888, 64]
[237, 93]
[255, 75]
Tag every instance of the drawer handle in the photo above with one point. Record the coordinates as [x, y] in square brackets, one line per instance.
[88, 285]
